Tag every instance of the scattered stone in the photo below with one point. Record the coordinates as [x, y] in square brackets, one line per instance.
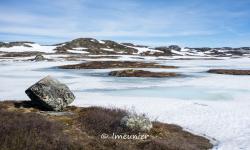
[230, 71]
[137, 122]
[141, 73]
[50, 94]
[114, 64]
[39, 57]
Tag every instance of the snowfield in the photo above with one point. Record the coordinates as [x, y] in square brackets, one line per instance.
[34, 47]
[213, 105]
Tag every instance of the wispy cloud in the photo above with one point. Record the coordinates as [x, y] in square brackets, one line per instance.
[129, 18]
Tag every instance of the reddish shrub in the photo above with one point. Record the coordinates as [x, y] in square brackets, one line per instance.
[99, 120]
[32, 132]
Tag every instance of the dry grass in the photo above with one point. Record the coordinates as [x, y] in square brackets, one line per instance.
[172, 137]
[21, 129]
[102, 120]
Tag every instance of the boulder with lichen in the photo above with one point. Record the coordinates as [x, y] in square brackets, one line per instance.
[50, 94]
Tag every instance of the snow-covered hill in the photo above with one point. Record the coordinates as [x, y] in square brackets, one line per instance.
[106, 47]
[25, 47]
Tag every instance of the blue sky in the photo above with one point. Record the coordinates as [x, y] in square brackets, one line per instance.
[153, 22]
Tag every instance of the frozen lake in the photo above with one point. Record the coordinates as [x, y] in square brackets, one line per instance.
[211, 104]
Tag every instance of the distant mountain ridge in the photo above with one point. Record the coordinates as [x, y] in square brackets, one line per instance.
[107, 47]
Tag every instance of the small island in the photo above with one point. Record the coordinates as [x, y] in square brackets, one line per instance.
[230, 71]
[141, 73]
[115, 64]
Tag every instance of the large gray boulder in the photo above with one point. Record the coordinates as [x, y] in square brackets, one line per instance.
[50, 94]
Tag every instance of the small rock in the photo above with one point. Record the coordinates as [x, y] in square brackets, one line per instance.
[50, 94]
[174, 47]
[39, 57]
[136, 122]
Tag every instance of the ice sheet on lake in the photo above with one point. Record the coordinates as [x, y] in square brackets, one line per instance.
[211, 104]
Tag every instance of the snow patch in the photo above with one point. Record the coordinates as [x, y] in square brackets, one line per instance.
[78, 51]
[34, 47]
[177, 52]
[100, 41]
[108, 49]
[80, 48]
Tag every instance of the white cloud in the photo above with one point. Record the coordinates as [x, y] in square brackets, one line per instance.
[85, 18]
[78, 19]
